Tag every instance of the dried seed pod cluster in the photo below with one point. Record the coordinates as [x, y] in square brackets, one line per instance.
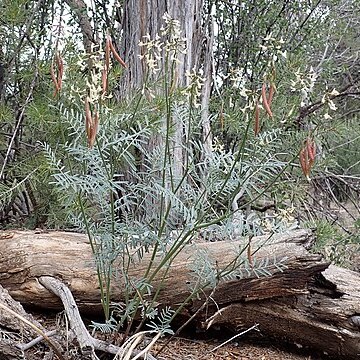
[91, 109]
[92, 118]
[266, 100]
[307, 156]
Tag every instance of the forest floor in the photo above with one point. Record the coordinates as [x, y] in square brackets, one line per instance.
[187, 349]
[192, 347]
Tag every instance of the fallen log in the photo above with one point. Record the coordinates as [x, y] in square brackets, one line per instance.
[67, 256]
[326, 318]
[297, 299]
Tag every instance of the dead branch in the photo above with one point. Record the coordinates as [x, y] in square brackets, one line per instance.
[77, 326]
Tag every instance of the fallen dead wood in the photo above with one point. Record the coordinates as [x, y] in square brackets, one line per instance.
[296, 303]
[85, 340]
[17, 327]
[326, 318]
[67, 257]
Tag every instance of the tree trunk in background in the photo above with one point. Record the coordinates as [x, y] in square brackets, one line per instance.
[145, 17]
[142, 17]
[206, 91]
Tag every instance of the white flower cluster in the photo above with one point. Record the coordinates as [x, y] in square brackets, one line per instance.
[280, 221]
[304, 83]
[169, 42]
[153, 50]
[274, 47]
[286, 215]
[193, 90]
[217, 145]
[327, 99]
[93, 87]
[174, 42]
[94, 83]
[238, 79]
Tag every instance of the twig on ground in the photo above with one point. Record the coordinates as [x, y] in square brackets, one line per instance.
[145, 352]
[32, 343]
[35, 328]
[254, 327]
[130, 345]
[234, 337]
[77, 326]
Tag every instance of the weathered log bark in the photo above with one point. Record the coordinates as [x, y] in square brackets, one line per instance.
[67, 256]
[303, 303]
[325, 319]
[15, 331]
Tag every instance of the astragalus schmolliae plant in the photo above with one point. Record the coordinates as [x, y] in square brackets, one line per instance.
[207, 195]
[145, 183]
[92, 188]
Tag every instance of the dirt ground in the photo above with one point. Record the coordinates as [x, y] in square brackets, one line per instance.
[186, 349]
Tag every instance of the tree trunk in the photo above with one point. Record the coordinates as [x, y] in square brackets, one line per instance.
[301, 303]
[145, 17]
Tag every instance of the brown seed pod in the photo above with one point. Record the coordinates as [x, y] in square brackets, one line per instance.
[94, 130]
[116, 55]
[311, 149]
[88, 119]
[107, 52]
[265, 102]
[271, 93]
[104, 80]
[304, 161]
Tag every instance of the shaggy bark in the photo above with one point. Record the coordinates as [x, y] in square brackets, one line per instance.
[79, 9]
[144, 17]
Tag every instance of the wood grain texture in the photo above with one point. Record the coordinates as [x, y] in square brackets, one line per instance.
[67, 256]
[320, 319]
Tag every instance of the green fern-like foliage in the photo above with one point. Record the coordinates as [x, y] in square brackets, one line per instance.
[162, 325]
[130, 194]
[206, 272]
